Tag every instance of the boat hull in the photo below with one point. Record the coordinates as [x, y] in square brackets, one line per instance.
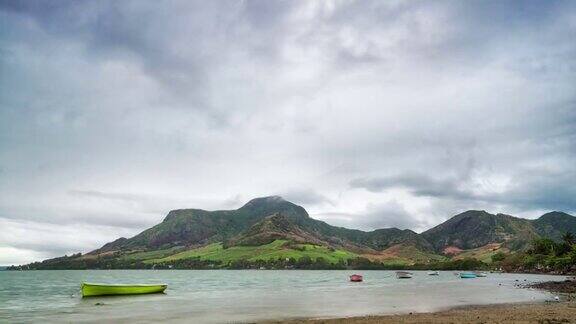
[467, 275]
[403, 275]
[91, 290]
[356, 278]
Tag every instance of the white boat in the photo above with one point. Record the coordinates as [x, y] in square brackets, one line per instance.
[433, 273]
[403, 274]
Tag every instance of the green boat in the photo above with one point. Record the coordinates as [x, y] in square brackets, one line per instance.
[91, 289]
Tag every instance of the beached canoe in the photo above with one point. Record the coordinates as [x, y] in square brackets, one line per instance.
[90, 289]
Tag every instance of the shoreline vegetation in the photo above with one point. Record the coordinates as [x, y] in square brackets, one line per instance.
[563, 311]
[544, 256]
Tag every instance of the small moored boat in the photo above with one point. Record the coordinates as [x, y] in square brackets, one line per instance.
[433, 273]
[480, 274]
[91, 289]
[403, 274]
[467, 275]
[356, 278]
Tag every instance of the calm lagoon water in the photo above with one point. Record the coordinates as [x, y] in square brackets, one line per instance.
[225, 296]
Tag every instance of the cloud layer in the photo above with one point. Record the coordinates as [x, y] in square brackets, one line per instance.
[368, 113]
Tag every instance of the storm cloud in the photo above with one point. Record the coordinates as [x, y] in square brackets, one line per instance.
[368, 113]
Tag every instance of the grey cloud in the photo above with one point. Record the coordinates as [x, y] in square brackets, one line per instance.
[66, 217]
[54, 240]
[108, 195]
[390, 214]
[420, 184]
[59, 249]
[306, 197]
[113, 113]
[97, 208]
[233, 202]
[529, 190]
[541, 190]
[375, 216]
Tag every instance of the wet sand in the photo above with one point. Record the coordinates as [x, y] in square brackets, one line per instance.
[567, 287]
[563, 311]
[557, 312]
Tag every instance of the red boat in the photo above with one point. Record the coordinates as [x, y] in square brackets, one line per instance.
[356, 278]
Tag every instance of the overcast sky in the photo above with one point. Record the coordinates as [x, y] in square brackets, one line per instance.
[368, 114]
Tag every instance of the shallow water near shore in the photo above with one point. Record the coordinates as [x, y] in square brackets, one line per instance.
[224, 296]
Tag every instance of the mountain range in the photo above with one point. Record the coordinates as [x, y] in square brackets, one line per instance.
[271, 228]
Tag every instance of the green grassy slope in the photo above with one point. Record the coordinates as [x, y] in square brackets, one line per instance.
[274, 250]
[147, 255]
[412, 254]
[483, 253]
[404, 254]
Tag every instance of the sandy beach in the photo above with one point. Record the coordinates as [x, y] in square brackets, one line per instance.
[563, 311]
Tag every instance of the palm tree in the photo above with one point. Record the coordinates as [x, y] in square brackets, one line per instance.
[568, 238]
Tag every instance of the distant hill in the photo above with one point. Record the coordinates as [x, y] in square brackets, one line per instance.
[272, 228]
[555, 224]
[185, 227]
[474, 229]
[197, 226]
[273, 231]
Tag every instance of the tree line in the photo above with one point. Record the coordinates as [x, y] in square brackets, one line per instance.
[544, 255]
